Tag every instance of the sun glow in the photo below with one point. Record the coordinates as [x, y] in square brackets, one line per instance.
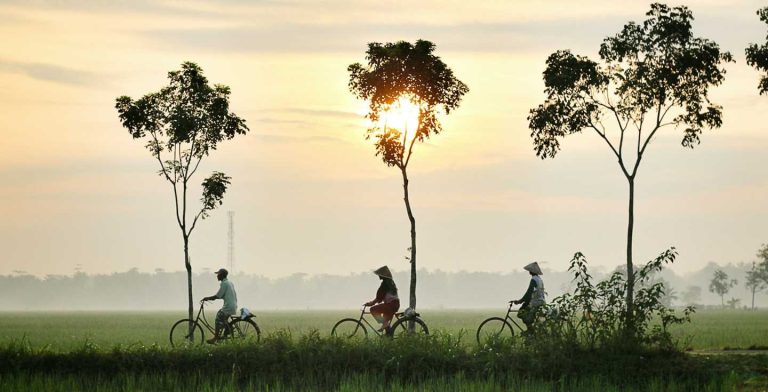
[402, 115]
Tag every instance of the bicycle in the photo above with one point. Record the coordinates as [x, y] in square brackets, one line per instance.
[186, 332]
[354, 328]
[493, 327]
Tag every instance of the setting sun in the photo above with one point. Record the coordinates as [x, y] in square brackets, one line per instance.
[402, 115]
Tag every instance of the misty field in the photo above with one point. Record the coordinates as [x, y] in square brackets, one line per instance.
[709, 329]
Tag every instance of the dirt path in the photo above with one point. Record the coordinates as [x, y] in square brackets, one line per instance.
[728, 352]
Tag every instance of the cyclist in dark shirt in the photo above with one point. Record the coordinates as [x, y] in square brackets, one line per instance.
[533, 297]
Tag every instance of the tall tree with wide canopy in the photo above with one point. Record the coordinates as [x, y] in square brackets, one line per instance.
[400, 74]
[757, 55]
[650, 76]
[181, 124]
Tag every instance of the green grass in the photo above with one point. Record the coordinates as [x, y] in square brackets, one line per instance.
[70, 330]
[128, 351]
[313, 362]
[365, 382]
[722, 329]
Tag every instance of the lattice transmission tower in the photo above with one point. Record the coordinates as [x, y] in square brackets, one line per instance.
[231, 242]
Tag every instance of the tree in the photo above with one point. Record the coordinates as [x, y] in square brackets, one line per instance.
[762, 254]
[756, 281]
[757, 56]
[720, 284]
[397, 75]
[650, 76]
[692, 295]
[757, 276]
[182, 123]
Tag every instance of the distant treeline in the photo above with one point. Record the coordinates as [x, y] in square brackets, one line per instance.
[160, 290]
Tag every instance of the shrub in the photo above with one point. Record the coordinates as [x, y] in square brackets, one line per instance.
[593, 316]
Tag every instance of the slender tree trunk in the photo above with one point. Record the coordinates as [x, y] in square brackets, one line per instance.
[412, 300]
[753, 297]
[630, 267]
[188, 265]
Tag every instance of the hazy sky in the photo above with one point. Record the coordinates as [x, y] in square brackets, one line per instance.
[307, 191]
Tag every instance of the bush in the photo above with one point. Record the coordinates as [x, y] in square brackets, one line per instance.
[594, 315]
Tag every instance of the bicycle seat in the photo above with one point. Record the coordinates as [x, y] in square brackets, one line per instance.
[401, 314]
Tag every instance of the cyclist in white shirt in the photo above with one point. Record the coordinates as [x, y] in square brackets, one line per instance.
[228, 294]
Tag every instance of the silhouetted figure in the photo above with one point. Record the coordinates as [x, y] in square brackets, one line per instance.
[533, 297]
[228, 294]
[386, 298]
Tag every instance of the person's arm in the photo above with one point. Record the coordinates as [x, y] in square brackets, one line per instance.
[528, 293]
[218, 295]
[379, 297]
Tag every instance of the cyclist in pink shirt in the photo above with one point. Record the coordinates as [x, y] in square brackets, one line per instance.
[386, 303]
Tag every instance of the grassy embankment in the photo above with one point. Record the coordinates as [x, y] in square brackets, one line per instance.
[284, 362]
[128, 351]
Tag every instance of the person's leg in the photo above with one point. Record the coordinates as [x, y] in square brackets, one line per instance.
[391, 309]
[529, 318]
[524, 314]
[220, 325]
[387, 319]
[377, 313]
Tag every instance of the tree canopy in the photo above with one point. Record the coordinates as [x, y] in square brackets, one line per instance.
[757, 55]
[650, 75]
[182, 123]
[410, 71]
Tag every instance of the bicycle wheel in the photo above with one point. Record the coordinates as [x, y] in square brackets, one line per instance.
[349, 328]
[180, 334]
[245, 330]
[492, 329]
[400, 327]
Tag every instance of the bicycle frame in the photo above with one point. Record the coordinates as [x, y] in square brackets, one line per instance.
[362, 319]
[512, 320]
[211, 329]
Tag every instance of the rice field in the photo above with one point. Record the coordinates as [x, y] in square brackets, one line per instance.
[62, 331]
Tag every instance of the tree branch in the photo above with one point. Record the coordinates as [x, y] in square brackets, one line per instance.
[199, 159]
[410, 152]
[184, 208]
[189, 159]
[194, 222]
[615, 152]
[167, 177]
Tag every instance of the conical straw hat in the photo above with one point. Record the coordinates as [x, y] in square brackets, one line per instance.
[384, 272]
[533, 268]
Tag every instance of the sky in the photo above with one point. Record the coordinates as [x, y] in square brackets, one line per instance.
[77, 192]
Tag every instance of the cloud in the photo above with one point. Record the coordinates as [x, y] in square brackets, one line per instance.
[273, 138]
[313, 112]
[51, 73]
[269, 120]
[471, 37]
[152, 7]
